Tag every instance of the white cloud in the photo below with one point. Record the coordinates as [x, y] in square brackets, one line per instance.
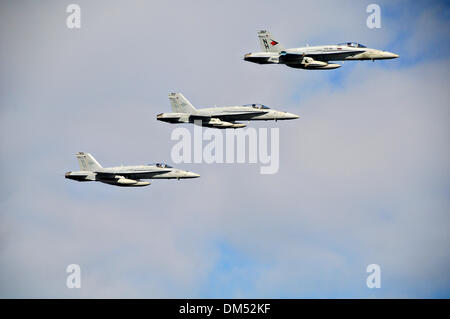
[363, 173]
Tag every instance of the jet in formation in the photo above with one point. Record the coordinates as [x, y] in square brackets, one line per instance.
[219, 117]
[313, 57]
[129, 176]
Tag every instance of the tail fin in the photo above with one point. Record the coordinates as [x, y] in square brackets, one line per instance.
[87, 162]
[180, 104]
[268, 44]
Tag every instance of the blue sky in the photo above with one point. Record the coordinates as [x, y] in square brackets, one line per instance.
[363, 173]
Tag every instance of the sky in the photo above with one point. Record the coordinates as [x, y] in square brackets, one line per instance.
[363, 178]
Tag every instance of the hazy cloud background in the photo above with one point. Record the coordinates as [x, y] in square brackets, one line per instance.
[364, 173]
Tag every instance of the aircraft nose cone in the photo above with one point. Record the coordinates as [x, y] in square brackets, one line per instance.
[390, 55]
[290, 116]
[192, 175]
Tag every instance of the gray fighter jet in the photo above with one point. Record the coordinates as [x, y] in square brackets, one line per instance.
[313, 57]
[129, 176]
[219, 117]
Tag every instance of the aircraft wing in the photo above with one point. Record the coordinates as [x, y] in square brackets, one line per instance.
[318, 56]
[180, 117]
[199, 116]
[237, 115]
[220, 114]
[132, 174]
[290, 57]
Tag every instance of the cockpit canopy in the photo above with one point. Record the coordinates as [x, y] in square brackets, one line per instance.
[352, 44]
[161, 165]
[257, 106]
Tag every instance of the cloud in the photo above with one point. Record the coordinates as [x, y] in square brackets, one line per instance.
[363, 175]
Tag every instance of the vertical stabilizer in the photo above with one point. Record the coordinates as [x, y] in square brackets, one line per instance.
[87, 162]
[180, 104]
[268, 44]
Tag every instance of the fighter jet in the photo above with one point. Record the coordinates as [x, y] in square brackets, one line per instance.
[313, 57]
[219, 117]
[129, 176]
